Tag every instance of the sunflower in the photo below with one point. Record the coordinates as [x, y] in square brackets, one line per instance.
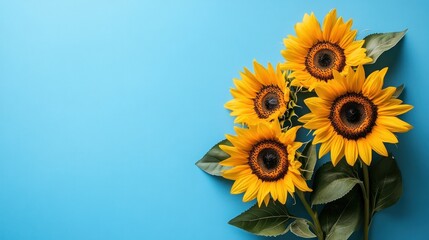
[263, 163]
[315, 53]
[353, 116]
[259, 97]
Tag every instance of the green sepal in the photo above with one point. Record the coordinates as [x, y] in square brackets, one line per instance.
[385, 183]
[301, 228]
[378, 43]
[398, 91]
[210, 162]
[331, 183]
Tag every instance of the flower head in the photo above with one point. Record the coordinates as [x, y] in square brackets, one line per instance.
[263, 163]
[354, 115]
[317, 52]
[259, 97]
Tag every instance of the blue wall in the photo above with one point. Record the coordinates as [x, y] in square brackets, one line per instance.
[106, 105]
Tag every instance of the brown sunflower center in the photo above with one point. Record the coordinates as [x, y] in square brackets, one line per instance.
[353, 115]
[324, 57]
[268, 160]
[268, 100]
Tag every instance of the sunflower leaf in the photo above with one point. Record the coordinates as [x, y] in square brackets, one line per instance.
[398, 91]
[210, 162]
[339, 219]
[308, 159]
[378, 43]
[385, 183]
[301, 228]
[271, 220]
[331, 183]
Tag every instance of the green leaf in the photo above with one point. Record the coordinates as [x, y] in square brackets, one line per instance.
[385, 183]
[308, 159]
[301, 228]
[339, 219]
[210, 162]
[378, 43]
[398, 91]
[268, 220]
[331, 183]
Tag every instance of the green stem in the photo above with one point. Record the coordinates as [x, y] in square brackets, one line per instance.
[367, 216]
[312, 213]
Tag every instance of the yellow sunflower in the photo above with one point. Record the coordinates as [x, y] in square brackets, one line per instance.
[315, 53]
[354, 115]
[263, 163]
[259, 97]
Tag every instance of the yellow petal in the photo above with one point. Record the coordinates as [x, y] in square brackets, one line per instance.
[318, 106]
[328, 24]
[281, 193]
[377, 144]
[236, 172]
[252, 190]
[337, 149]
[351, 152]
[300, 183]
[384, 135]
[241, 184]
[365, 152]
[324, 136]
[267, 199]
[290, 135]
[358, 79]
[307, 117]
[262, 193]
[395, 110]
[325, 147]
[393, 124]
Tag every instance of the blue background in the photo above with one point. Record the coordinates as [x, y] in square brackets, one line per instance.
[106, 105]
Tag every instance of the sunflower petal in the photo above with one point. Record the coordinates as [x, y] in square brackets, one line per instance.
[337, 149]
[377, 144]
[365, 152]
[262, 193]
[281, 193]
[393, 124]
[252, 190]
[395, 110]
[351, 152]
[241, 184]
[300, 183]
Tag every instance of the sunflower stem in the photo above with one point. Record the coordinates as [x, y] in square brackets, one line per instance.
[367, 217]
[312, 213]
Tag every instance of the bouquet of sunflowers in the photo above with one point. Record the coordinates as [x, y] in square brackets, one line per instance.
[322, 87]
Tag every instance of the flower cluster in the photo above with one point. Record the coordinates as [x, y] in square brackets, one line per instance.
[349, 114]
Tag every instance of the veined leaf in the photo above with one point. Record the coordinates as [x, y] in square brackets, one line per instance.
[308, 159]
[331, 183]
[339, 219]
[210, 162]
[378, 43]
[271, 220]
[385, 183]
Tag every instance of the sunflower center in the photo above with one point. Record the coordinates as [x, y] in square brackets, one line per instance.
[268, 100]
[353, 115]
[323, 58]
[269, 157]
[271, 103]
[268, 160]
[352, 112]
